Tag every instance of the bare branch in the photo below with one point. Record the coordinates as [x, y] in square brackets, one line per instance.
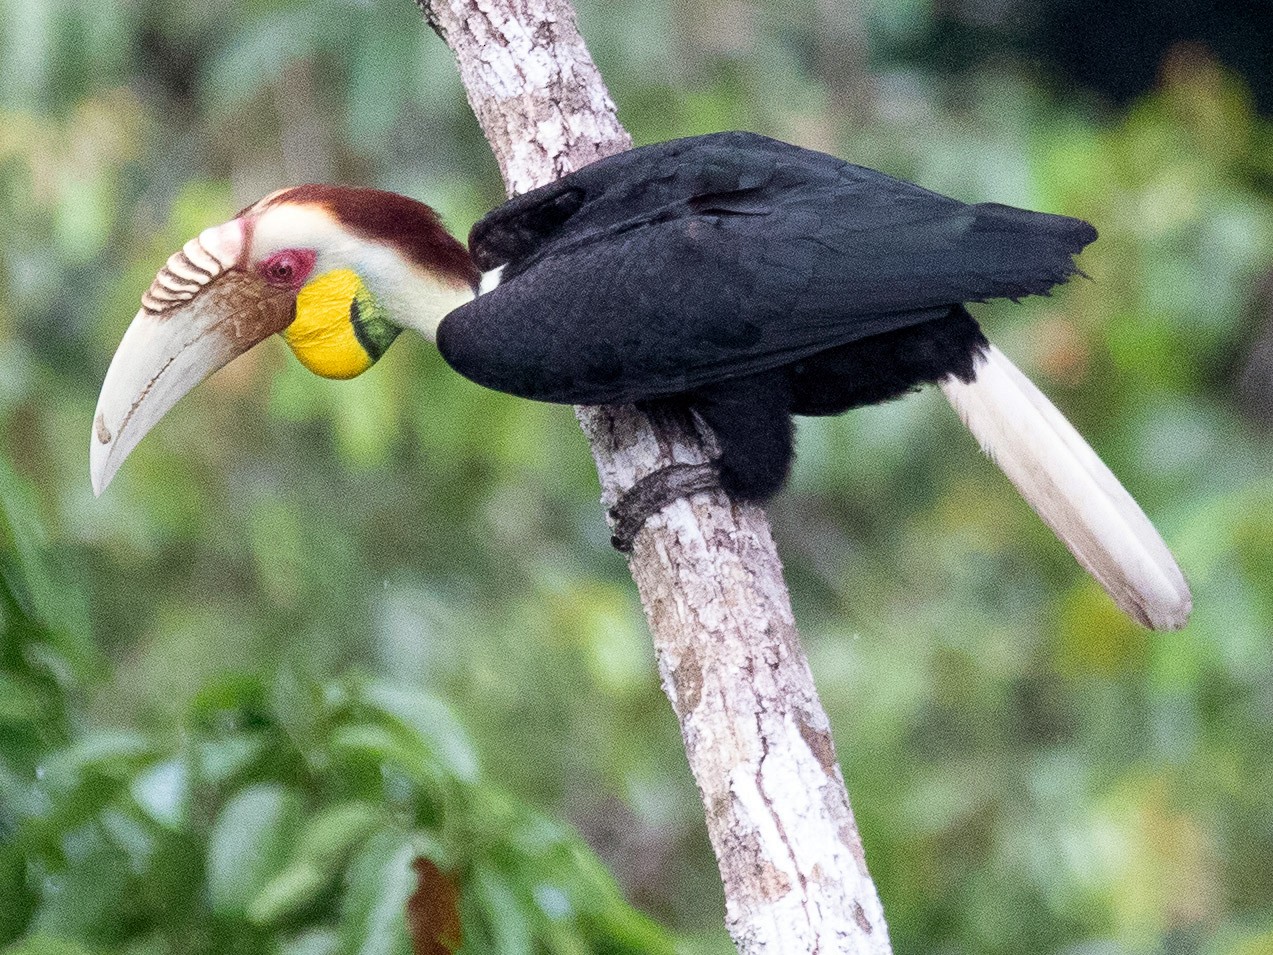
[757, 738]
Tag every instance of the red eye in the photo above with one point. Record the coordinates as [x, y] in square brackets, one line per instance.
[289, 268]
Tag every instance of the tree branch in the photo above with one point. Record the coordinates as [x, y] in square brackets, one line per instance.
[757, 738]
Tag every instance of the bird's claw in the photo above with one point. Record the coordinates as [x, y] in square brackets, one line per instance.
[654, 492]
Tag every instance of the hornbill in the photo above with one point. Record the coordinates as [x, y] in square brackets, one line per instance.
[741, 277]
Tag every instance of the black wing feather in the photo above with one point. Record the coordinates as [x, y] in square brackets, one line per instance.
[663, 269]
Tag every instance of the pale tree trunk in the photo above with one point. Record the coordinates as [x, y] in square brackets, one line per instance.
[757, 738]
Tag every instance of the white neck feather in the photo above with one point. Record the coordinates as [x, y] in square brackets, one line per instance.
[416, 299]
[412, 296]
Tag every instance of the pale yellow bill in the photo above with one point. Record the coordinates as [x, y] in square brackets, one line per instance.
[164, 354]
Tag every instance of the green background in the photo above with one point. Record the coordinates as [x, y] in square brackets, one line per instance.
[316, 628]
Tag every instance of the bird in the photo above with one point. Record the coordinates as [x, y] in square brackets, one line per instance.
[734, 276]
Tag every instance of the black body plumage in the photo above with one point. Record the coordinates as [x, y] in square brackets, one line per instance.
[747, 277]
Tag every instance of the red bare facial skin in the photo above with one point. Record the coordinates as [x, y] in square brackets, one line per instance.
[411, 227]
[288, 268]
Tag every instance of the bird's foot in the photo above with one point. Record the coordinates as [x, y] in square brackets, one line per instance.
[654, 492]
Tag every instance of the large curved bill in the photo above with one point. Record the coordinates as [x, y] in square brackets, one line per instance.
[165, 353]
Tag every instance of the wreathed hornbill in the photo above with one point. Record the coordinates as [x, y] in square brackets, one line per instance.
[744, 278]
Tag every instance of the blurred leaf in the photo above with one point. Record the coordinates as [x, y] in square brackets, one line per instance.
[374, 920]
[325, 846]
[297, 886]
[249, 843]
[433, 915]
[19, 901]
[112, 755]
[506, 923]
[313, 942]
[30, 573]
[163, 791]
[45, 945]
[333, 834]
[430, 722]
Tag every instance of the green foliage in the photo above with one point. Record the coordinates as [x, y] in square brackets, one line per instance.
[314, 604]
[280, 817]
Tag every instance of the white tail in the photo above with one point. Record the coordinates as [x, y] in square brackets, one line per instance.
[1072, 490]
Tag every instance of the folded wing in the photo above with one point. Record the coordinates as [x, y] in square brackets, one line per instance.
[700, 260]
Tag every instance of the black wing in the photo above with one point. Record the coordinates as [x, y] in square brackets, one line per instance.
[666, 268]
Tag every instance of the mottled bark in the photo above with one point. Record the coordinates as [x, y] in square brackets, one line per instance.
[757, 738]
